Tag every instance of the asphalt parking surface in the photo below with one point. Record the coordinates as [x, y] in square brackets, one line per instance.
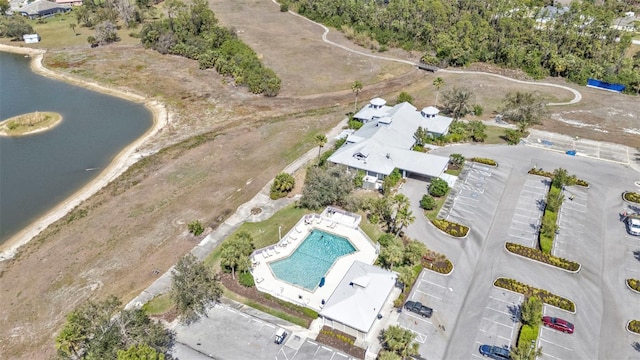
[229, 334]
[570, 240]
[556, 344]
[500, 321]
[528, 211]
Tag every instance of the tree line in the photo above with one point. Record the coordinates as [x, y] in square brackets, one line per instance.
[578, 44]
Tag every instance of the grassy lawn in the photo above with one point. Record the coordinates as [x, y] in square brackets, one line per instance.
[494, 135]
[433, 214]
[158, 305]
[279, 314]
[265, 233]
[55, 32]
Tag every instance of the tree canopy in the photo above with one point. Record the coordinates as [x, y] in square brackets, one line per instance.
[99, 330]
[194, 288]
[577, 44]
[326, 186]
[235, 253]
[192, 31]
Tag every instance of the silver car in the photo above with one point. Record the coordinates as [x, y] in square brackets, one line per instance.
[633, 224]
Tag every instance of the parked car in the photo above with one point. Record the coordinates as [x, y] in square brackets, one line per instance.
[633, 224]
[418, 308]
[280, 336]
[495, 352]
[558, 324]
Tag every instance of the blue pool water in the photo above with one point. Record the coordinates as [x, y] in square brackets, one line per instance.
[312, 259]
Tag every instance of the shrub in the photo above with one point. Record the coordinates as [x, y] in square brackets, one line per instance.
[477, 110]
[246, 279]
[195, 227]
[355, 124]
[284, 7]
[438, 187]
[512, 136]
[634, 284]
[544, 295]
[632, 196]
[404, 97]
[528, 334]
[282, 185]
[451, 228]
[485, 161]
[428, 202]
[634, 326]
[538, 255]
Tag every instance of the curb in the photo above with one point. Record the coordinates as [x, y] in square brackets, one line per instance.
[630, 288]
[449, 235]
[439, 273]
[544, 263]
[628, 201]
[626, 327]
[544, 303]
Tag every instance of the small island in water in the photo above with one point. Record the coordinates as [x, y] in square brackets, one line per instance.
[29, 123]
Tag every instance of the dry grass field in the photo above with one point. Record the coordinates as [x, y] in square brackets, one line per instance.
[113, 242]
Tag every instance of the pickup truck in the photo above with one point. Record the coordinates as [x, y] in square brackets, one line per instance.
[418, 308]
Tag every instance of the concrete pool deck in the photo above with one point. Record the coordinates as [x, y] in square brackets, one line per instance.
[332, 221]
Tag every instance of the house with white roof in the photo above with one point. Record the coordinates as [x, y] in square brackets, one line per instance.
[385, 140]
[358, 299]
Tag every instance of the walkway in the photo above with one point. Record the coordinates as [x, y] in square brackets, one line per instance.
[577, 97]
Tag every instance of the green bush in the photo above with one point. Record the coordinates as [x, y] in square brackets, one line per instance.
[634, 284]
[538, 255]
[451, 228]
[438, 187]
[195, 227]
[284, 7]
[355, 124]
[544, 295]
[477, 110]
[246, 279]
[634, 326]
[512, 136]
[428, 202]
[527, 335]
[485, 161]
[632, 196]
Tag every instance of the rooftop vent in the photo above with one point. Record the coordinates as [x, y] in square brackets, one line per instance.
[429, 112]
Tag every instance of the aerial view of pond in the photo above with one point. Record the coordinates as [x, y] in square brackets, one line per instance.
[40, 170]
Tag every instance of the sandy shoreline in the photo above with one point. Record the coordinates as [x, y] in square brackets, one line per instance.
[127, 157]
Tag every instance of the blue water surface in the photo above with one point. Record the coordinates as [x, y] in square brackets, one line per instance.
[310, 262]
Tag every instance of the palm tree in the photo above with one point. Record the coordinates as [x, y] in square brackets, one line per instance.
[458, 101]
[438, 83]
[356, 87]
[524, 109]
[321, 141]
[73, 28]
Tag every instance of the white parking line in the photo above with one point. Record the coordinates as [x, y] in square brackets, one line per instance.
[498, 323]
[420, 337]
[549, 355]
[418, 317]
[426, 293]
[500, 311]
[432, 283]
[465, 210]
[558, 345]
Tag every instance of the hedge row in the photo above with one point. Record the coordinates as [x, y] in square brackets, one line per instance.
[548, 174]
[544, 295]
[343, 338]
[538, 255]
[485, 161]
[451, 228]
[634, 284]
[634, 326]
[632, 196]
[442, 267]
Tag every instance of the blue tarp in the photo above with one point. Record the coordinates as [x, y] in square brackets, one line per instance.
[605, 85]
[571, 152]
[321, 282]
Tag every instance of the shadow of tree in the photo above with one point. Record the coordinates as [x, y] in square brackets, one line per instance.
[636, 346]
[636, 254]
[515, 312]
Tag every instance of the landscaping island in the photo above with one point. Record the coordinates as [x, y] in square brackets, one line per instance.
[29, 123]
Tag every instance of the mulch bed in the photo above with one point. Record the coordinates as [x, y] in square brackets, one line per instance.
[338, 344]
[253, 294]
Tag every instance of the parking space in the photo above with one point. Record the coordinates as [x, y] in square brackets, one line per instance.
[528, 212]
[431, 290]
[556, 344]
[499, 323]
[570, 241]
[227, 333]
[472, 192]
[632, 257]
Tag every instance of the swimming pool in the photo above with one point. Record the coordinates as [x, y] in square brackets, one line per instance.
[310, 262]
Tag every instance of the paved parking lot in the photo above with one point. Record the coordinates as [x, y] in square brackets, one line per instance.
[432, 290]
[500, 317]
[230, 334]
[556, 344]
[570, 240]
[584, 147]
[528, 212]
[469, 193]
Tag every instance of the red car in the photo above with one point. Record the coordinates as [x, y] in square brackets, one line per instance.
[558, 324]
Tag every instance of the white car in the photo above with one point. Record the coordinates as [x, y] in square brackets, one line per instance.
[633, 224]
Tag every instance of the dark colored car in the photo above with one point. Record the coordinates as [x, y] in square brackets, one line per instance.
[558, 324]
[418, 308]
[495, 352]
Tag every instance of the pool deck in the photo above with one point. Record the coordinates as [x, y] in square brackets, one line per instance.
[330, 221]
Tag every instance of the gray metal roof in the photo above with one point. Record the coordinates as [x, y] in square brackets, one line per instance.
[40, 6]
[360, 296]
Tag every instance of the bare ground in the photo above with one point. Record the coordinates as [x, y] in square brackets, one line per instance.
[115, 240]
